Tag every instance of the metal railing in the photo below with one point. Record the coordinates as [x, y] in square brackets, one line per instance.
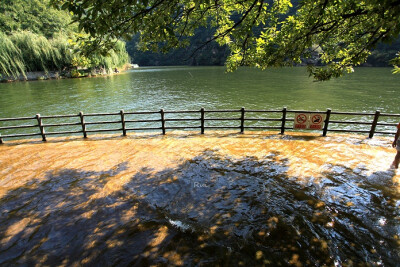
[127, 124]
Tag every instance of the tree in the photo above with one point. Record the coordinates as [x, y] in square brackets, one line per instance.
[33, 15]
[259, 33]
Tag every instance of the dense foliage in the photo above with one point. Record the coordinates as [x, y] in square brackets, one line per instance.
[37, 37]
[258, 33]
[213, 54]
[34, 16]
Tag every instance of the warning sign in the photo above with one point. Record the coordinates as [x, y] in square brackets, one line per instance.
[316, 121]
[305, 121]
[301, 121]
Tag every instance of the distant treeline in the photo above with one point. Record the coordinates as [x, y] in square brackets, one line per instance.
[381, 56]
[36, 37]
[195, 54]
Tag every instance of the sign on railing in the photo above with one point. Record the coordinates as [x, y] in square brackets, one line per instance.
[302, 120]
[308, 121]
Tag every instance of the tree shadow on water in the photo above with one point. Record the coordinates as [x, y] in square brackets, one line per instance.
[212, 210]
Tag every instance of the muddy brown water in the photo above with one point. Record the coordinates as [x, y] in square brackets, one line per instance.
[222, 199]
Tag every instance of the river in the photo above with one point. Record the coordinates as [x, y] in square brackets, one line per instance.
[368, 89]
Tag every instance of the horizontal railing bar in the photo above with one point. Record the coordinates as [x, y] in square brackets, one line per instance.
[101, 114]
[386, 124]
[389, 115]
[66, 132]
[103, 130]
[60, 116]
[352, 122]
[141, 112]
[349, 131]
[20, 135]
[222, 110]
[304, 111]
[182, 127]
[222, 119]
[18, 127]
[254, 119]
[351, 113]
[183, 111]
[262, 127]
[176, 119]
[62, 124]
[221, 127]
[379, 132]
[143, 129]
[263, 111]
[142, 121]
[18, 119]
[101, 122]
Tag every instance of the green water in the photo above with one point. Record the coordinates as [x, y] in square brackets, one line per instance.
[178, 88]
[368, 89]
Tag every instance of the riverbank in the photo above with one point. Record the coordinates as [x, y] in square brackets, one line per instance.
[51, 75]
[185, 198]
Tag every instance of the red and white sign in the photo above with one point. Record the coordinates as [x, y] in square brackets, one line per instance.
[300, 121]
[307, 121]
[316, 121]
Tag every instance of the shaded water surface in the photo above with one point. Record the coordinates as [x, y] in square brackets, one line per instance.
[201, 206]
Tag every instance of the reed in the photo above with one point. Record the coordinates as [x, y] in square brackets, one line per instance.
[38, 52]
[25, 51]
[116, 58]
[11, 61]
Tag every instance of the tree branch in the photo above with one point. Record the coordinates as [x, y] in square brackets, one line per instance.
[223, 34]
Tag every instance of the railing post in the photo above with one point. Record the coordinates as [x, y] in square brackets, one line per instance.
[162, 121]
[202, 120]
[1, 140]
[40, 124]
[242, 120]
[123, 122]
[374, 122]
[326, 123]
[283, 120]
[83, 124]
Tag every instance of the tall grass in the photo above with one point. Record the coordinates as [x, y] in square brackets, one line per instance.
[63, 48]
[38, 52]
[25, 51]
[116, 57]
[11, 62]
